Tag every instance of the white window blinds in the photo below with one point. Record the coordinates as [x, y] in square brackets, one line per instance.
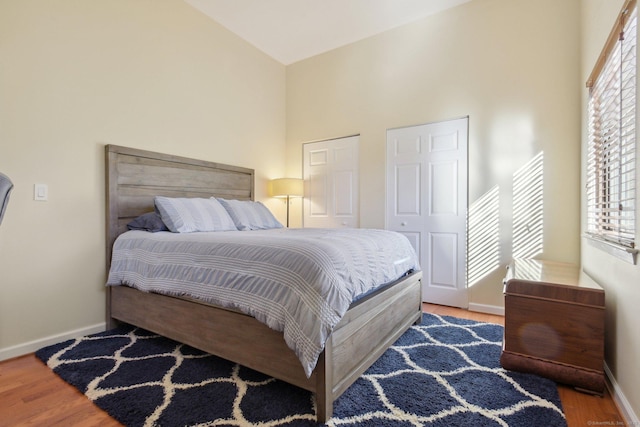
[611, 158]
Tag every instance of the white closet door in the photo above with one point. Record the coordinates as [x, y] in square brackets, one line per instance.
[330, 170]
[427, 202]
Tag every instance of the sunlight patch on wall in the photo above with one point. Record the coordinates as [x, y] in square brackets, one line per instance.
[529, 269]
[528, 211]
[483, 255]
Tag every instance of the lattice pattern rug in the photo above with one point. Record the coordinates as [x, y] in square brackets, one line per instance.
[444, 372]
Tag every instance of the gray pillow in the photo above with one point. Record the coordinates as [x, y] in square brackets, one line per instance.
[148, 222]
[187, 215]
[248, 215]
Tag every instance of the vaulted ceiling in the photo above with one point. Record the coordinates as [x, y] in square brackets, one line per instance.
[292, 30]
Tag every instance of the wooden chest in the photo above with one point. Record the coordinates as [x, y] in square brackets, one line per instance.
[554, 324]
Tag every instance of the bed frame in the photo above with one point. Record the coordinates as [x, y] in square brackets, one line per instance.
[370, 326]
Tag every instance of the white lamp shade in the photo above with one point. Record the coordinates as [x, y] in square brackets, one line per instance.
[283, 187]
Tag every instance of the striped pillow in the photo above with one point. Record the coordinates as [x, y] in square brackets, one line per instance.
[186, 215]
[248, 215]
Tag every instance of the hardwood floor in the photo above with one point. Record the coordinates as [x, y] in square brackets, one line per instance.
[32, 395]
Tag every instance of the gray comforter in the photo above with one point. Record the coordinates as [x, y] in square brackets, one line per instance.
[297, 281]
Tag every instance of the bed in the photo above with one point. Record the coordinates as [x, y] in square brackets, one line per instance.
[370, 325]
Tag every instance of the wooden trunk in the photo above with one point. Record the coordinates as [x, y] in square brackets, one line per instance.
[554, 324]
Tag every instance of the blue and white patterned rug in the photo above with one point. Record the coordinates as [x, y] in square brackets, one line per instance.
[444, 372]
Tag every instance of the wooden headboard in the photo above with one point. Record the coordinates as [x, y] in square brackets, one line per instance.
[135, 176]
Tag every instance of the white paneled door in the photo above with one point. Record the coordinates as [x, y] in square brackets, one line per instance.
[427, 202]
[330, 170]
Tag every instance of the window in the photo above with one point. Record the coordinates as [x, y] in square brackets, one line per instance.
[611, 157]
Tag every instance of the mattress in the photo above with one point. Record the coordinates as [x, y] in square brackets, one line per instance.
[297, 281]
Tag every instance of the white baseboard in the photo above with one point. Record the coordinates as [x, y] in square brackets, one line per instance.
[629, 416]
[32, 346]
[489, 309]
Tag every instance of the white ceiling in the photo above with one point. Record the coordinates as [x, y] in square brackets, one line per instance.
[292, 30]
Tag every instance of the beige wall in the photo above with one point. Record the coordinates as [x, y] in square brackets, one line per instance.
[510, 65]
[620, 280]
[76, 75]
[158, 75]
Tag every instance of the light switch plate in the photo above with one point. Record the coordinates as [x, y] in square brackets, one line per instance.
[41, 192]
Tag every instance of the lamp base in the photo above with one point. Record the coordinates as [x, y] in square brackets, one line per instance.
[287, 211]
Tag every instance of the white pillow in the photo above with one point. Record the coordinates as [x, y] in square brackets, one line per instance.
[186, 215]
[248, 215]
